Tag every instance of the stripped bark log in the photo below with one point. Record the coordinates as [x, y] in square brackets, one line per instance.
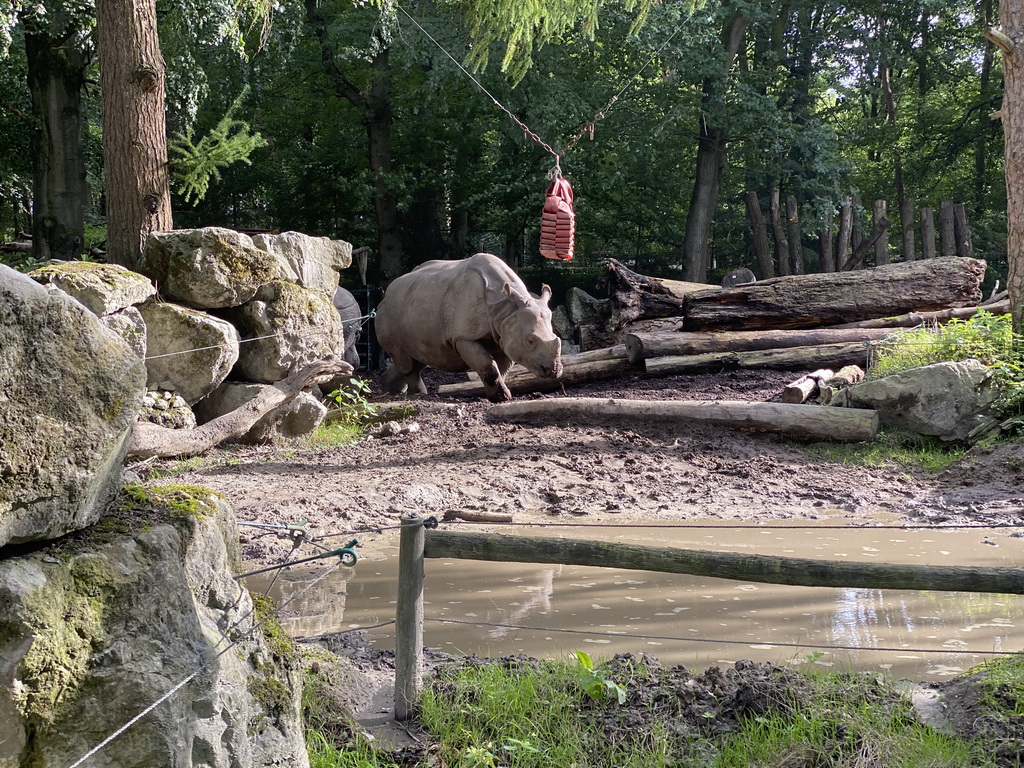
[844, 377]
[811, 422]
[153, 440]
[643, 346]
[807, 301]
[792, 359]
[911, 319]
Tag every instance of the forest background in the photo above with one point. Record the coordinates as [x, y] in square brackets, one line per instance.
[370, 133]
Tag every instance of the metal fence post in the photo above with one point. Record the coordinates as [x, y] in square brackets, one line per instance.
[409, 617]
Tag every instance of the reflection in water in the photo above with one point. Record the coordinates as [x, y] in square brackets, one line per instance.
[696, 621]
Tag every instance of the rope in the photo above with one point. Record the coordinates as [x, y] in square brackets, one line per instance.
[203, 667]
[708, 640]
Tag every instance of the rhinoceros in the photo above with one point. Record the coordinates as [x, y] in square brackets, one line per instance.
[474, 313]
[351, 315]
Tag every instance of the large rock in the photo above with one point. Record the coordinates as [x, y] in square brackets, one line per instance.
[285, 327]
[311, 262]
[208, 268]
[946, 400]
[296, 418]
[103, 288]
[90, 639]
[69, 393]
[187, 351]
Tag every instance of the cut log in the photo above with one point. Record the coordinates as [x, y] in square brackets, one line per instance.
[634, 296]
[812, 422]
[806, 301]
[911, 319]
[596, 365]
[792, 359]
[642, 346]
[153, 440]
[847, 375]
[801, 390]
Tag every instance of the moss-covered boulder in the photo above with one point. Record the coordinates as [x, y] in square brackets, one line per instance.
[69, 393]
[141, 607]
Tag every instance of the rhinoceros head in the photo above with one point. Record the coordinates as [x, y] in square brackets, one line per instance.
[527, 337]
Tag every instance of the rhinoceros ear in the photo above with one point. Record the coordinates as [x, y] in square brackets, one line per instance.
[545, 292]
[507, 290]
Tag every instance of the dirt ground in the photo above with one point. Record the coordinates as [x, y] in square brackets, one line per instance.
[458, 461]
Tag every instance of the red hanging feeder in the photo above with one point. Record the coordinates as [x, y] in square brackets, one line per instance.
[558, 221]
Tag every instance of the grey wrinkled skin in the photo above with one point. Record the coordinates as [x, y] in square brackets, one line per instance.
[351, 320]
[473, 314]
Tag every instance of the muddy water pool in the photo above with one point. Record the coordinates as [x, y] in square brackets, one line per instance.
[680, 619]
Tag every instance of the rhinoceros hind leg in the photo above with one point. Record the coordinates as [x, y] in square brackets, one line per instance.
[394, 380]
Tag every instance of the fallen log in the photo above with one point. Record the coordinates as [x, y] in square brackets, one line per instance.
[806, 301]
[149, 440]
[635, 296]
[641, 346]
[801, 390]
[596, 365]
[850, 374]
[813, 422]
[911, 319]
[790, 359]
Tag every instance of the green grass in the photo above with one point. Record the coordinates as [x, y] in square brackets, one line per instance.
[324, 754]
[892, 448]
[336, 434]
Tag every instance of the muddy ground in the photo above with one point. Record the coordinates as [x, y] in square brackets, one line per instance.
[458, 461]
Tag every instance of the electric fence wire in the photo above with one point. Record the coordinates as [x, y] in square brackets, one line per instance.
[202, 668]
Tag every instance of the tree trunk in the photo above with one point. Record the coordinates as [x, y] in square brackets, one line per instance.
[845, 231]
[947, 236]
[784, 359]
[633, 295]
[60, 194]
[796, 248]
[806, 301]
[912, 319]
[137, 181]
[983, 127]
[881, 243]
[711, 145]
[804, 388]
[962, 232]
[927, 233]
[781, 242]
[643, 346]
[811, 422]
[826, 255]
[759, 231]
[881, 225]
[907, 226]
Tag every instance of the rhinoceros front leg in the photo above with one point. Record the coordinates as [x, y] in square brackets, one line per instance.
[489, 371]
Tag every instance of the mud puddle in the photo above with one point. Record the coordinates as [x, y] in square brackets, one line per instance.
[696, 621]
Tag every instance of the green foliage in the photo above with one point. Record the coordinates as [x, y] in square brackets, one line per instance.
[353, 406]
[195, 164]
[893, 447]
[594, 680]
[985, 337]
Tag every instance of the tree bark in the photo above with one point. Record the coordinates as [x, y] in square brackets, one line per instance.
[633, 295]
[927, 233]
[826, 256]
[643, 346]
[881, 225]
[781, 241]
[153, 440]
[962, 232]
[1012, 34]
[912, 319]
[759, 231]
[137, 180]
[947, 236]
[711, 145]
[811, 422]
[796, 248]
[806, 301]
[60, 193]
[845, 231]
[784, 359]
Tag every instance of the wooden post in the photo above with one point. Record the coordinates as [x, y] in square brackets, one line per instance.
[725, 565]
[907, 226]
[962, 232]
[947, 237]
[843, 240]
[826, 257]
[796, 248]
[409, 617]
[881, 243]
[781, 243]
[927, 233]
[762, 249]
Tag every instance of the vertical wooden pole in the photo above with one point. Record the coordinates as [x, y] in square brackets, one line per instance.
[947, 238]
[907, 227]
[796, 248]
[927, 234]
[882, 243]
[409, 617]
[962, 232]
[779, 231]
